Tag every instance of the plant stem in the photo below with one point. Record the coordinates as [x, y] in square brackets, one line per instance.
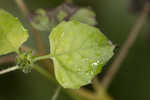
[41, 58]
[39, 43]
[81, 92]
[85, 93]
[96, 84]
[56, 93]
[45, 73]
[23, 7]
[125, 48]
[6, 59]
[26, 13]
[9, 70]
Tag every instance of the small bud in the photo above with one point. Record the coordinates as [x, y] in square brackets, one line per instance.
[25, 61]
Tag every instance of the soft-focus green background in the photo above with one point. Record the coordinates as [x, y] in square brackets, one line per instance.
[132, 81]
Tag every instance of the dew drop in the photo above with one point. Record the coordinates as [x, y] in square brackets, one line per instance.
[95, 64]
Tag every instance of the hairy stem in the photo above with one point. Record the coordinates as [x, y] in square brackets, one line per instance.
[41, 58]
[56, 93]
[125, 48]
[9, 70]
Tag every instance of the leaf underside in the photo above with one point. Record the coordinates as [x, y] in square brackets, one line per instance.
[12, 33]
[79, 51]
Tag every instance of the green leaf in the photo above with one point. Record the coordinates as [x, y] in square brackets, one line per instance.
[79, 51]
[12, 33]
[61, 15]
[85, 15]
[41, 21]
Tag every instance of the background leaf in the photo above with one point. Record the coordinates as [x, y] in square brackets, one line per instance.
[79, 51]
[41, 21]
[46, 19]
[12, 33]
[85, 15]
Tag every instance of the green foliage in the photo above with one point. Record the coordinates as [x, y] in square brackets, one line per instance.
[79, 51]
[45, 20]
[61, 15]
[41, 20]
[85, 15]
[12, 33]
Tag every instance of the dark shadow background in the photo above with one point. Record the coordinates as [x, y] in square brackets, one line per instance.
[132, 81]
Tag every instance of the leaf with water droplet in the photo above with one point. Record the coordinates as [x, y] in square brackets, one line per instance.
[12, 33]
[79, 52]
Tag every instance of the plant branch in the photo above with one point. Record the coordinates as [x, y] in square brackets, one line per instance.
[23, 7]
[125, 48]
[86, 94]
[9, 70]
[96, 85]
[26, 13]
[39, 43]
[45, 73]
[56, 93]
[6, 59]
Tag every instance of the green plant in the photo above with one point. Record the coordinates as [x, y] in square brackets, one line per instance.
[78, 50]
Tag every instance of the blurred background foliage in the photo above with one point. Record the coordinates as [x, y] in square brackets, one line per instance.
[115, 19]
